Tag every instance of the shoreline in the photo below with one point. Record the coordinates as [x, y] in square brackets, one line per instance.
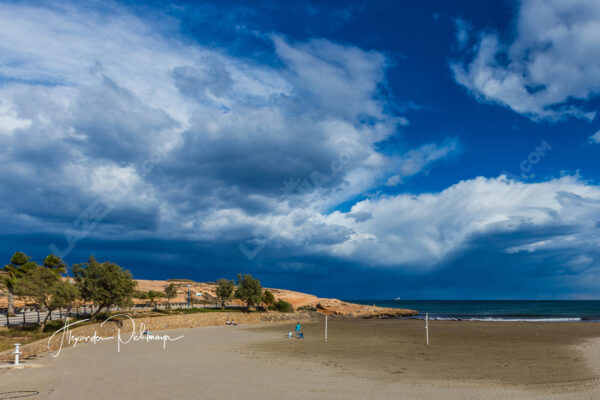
[563, 357]
[161, 323]
[500, 310]
[539, 319]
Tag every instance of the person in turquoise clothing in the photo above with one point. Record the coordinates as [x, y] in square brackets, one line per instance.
[298, 327]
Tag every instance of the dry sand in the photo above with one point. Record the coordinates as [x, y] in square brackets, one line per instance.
[363, 359]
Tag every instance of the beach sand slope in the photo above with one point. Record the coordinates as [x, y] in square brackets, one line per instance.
[363, 359]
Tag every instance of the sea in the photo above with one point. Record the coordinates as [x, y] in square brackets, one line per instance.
[498, 310]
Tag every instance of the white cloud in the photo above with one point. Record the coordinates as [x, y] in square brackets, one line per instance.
[595, 138]
[9, 121]
[104, 100]
[417, 160]
[189, 142]
[462, 32]
[554, 59]
[394, 180]
[421, 230]
[309, 63]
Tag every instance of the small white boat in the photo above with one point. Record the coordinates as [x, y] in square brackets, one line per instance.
[397, 298]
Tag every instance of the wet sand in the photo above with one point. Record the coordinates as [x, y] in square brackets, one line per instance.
[363, 359]
[541, 356]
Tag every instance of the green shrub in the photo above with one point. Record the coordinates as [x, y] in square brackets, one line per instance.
[204, 310]
[248, 290]
[307, 308]
[283, 306]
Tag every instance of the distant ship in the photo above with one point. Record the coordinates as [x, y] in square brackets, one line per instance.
[397, 298]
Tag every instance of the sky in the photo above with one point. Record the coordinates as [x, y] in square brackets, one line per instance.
[422, 150]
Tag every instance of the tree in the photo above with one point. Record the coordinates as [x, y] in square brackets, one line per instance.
[68, 292]
[267, 298]
[56, 264]
[225, 288]
[249, 290]
[283, 306]
[170, 292]
[19, 264]
[153, 296]
[104, 284]
[47, 290]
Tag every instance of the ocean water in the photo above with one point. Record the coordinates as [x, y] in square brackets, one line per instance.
[498, 310]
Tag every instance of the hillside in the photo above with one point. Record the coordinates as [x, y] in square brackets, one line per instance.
[206, 292]
[296, 299]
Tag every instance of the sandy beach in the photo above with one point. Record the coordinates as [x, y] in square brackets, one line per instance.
[182, 183]
[378, 359]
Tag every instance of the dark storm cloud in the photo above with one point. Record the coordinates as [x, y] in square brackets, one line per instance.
[213, 80]
[114, 124]
[195, 150]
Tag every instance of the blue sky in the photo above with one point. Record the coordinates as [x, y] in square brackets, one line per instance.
[350, 149]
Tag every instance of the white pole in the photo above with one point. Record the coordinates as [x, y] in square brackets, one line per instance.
[17, 353]
[325, 327]
[427, 328]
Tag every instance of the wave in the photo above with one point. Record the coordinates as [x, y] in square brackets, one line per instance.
[502, 319]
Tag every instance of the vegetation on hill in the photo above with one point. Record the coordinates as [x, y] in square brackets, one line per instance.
[249, 290]
[268, 299]
[104, 284]
[283, 306]
[225, 289]
[170, 292]
[46, 290]
[19, 263]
